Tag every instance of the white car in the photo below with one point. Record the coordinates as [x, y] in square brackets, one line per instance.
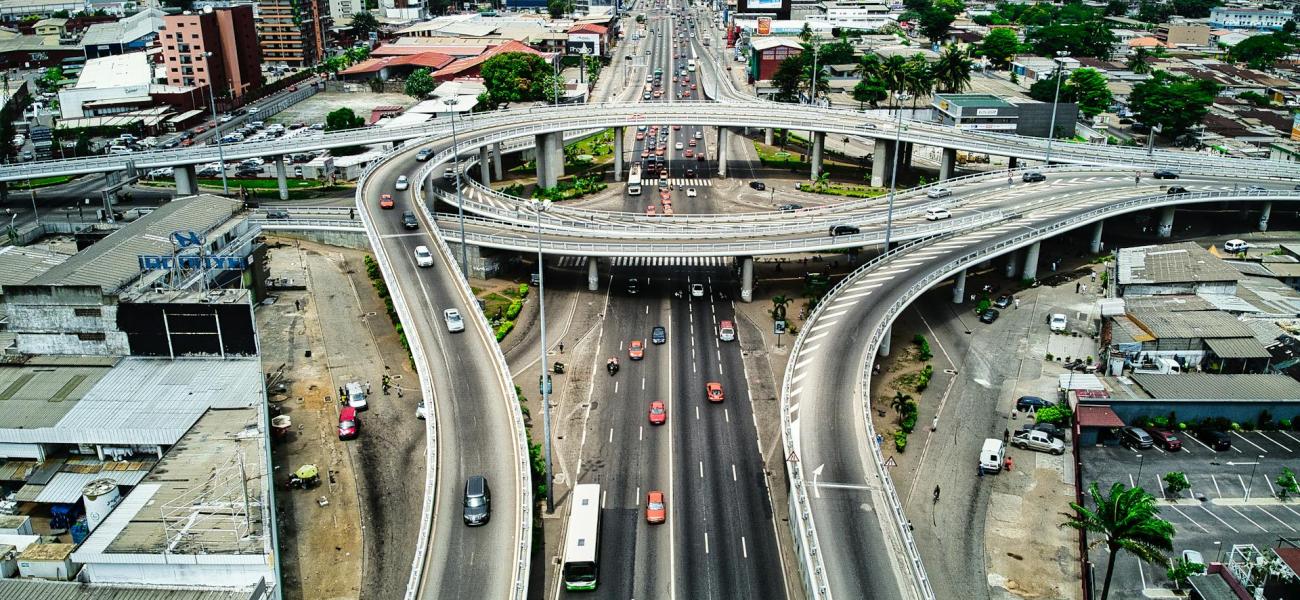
[1058, 322]
[690, 192]
[455, 324]
[678, 146]
[936, 214]
[939, 192]
[420, 411]
[697, 290]
[423, 258]
[1236, 246]
[402, 183]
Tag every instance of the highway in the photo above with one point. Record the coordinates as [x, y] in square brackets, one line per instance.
[474, 421]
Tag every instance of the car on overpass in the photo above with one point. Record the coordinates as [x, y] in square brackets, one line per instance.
[409, 221]
[636, 350]
[655, 511]
[386, 201]
[455, 324]
[937, 214]
[402, 183]
[697, 290]
[1164, 174]
[1033, 176]
[423, 258]
[658, 335]
[658, 413]
[939, 192]
[424, 154]
[713, 390]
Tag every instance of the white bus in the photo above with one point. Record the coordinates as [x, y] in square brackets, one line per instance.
[634, 180]
[582, 540]
[690, 65]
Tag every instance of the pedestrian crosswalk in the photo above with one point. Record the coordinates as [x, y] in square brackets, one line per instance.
[572, 262]
[685, 182]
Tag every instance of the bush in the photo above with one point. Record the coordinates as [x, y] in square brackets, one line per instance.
[909, 422]
[1049, 356]
[923, 378]
[1265, 420]
[923, 347]
[504, 328]
[512, 311]
[1286, 483]
[1057, 415]
[1284, 424]
[1176, 483]
[523, 290]
[900, 441]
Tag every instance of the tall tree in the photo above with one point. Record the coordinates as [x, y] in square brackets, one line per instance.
[1261, 51]
[341, 119]
[1175, 102]
[1194, 9]
[1090, 91]
[1116, 8]
[1137, 61]
[363, 23]
[893, 70]
[1093, 38]
[419, 84]
[515, 77]
[935, 23]
[919, 80]
[870, 90]
[559, 8]
[1126, 519]
[788, 78]
[952, 71]
[1000, 47]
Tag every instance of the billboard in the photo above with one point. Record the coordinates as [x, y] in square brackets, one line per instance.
[1295, 127]
[772, 5]
[577, 42]
[764, 26]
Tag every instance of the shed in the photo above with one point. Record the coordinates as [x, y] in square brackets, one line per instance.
[1095, 420]
[48, 561]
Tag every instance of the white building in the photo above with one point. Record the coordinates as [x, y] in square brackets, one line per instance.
[105, 81]
[1249, 19]
[866, 15]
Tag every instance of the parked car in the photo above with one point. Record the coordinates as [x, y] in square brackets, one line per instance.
[1057, 322]
[1135, 438]
[1166, 439]
[1024, 403]
[758, 185]
[1003, 301]
[1218, 440]
[1033, 176]
[1048, 428]
[1037, 440]
[349, 423]
[989, 315]
[1236, 246]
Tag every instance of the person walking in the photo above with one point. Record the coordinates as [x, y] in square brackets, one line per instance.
[1016, 301]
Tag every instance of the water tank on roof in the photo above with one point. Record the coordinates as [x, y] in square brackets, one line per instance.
[100, 496]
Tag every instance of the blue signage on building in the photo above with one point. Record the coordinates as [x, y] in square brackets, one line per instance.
[224, 263]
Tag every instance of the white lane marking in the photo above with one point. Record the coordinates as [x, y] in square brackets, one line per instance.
[823, 325]
[611, 435]
[733, 473]
[1247, 440]
[1279, 444]
[816, 337]
[701, 469]
[1217, 518]
[706, 542]
[795, 391]
[744, 550]
[838, 312]
[1248, 519]
[799, 377]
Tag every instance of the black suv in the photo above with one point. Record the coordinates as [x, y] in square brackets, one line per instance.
[409, 221]
[658, 335]
[1214, 438]
[1165, 174]
[758, 185]
[478, 501]
[1033, 176]
[1176, 189]
[989, 315]
[1024, 403]
[844, 230]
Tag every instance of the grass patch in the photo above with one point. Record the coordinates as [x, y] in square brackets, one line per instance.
[41, 182]
[260, 184]
[850, 191]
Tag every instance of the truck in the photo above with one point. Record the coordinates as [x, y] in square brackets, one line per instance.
[1041, 441]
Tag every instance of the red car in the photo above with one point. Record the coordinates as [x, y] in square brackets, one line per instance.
[635, 350]
[677, 127]
[689, 153]
[650, 211]
[1166, 439]
[349, 424]
[658, 414]
[200, 129]
[714, 391]
[386, 201]
[655, 510]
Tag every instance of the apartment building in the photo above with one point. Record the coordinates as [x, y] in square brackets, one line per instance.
[1242, 18]
[292, 32]
[214, 46]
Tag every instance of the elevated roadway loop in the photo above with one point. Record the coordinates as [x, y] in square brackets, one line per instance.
[475, 425]
[840, 466]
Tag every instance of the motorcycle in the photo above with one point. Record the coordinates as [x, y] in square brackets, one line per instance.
[612, 366]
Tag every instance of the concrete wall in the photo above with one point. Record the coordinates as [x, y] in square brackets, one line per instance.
[1237, 411]
[347, 239]
[52, 319]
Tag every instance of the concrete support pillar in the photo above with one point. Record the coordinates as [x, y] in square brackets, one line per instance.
[769, 136]
[818, 143]
[484, 172]
[906, 151]
[884, 341]
[593, 274]
[1166, 227]
[947, 160]
[1031, 262]
[111, 180]
[282, 177]
[746, 278]
[785, 137]
[722, 151]
[187, 181]
[130, 169]
[497, 170]
[550, 159]
[618, 154]
[1011, 264]
[880, 158]
[1011, 162]
[959, 287]
[1095, 245]
[1263, 216]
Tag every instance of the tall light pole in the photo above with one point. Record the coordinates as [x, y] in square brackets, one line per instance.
[1251, 486]
[1051, 130]
[812, 85]
[540, 206]
[216, 129]
[460, 204]
[893, 174]
[1141, 461]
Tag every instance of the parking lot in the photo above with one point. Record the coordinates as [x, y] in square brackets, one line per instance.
[1233, 498]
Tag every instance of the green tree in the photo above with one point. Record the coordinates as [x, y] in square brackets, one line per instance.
[1176, 483]
[1194, 9]
[419, 84]
[822, 181]
[788, 78]
[1261, 51]
[1137, 61]
[806, 34]
[1090, 91]
[952, 71]
[1125, 519]
[1154, 11]
[51, 78]
[1116, 8]
[869, 90]
[1044, 90]
[1093, 38]
[779, 302]
[1000, 47]
[919, 80]
[1255, 98]
[935, 23]
[1181, 570]
[900, 402]
[516, 77]
[559, 8]
[893, 71]
[363, 23]
[1287, 484]
[342, 119]
[1175, 102]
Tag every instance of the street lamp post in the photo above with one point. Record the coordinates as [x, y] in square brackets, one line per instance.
[460, 204]
[1251, 486]
[812, 86]
[1054, 99]
[540, 206]
[216, 121]
[893, 173]
[1141, 461]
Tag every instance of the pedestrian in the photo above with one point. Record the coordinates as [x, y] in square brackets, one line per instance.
[1016, 301]
[367, 387]
[342, 392]
[1093, 275]
[561, 347]
[979, 469]
[352, 214]
[297, 305]
[1010, 463]
[1006, 435]
[1085, 288]
[1077, 285]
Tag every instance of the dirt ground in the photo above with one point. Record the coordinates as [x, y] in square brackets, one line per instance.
[314, 109]
[1025, 549]
[376, 488]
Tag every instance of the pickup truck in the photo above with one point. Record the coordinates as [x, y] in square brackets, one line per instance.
[1038, 440]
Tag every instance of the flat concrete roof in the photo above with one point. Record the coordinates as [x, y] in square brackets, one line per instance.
[25, 589]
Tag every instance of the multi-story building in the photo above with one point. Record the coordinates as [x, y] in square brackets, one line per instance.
[1242, 18]
[216, 47]
[413, 10]
[292, 32]
[1183, 34]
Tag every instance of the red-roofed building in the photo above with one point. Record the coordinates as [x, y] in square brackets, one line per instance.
[395, 67]
[469, 67]
[595, 38]
[456, 51]
[1095, 422]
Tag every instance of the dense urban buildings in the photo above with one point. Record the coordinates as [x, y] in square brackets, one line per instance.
[213, 47]
[292, 32]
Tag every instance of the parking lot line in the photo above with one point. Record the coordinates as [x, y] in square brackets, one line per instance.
[1293, 511]
[1293, 438]
[1279, 444]
[1275, 518]
[1189, 519]
[1243, 515]
[1247, 440]
[1216, 485]
[1225, 523]
[1199, 442]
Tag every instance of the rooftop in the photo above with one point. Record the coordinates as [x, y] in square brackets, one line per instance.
[766, 43]
[38, 394]
[1183, 262]
[1208, 386]
[1203, 324]
[115, 259]
[1097, 415]
[23, 589]
[121, 70]
[20, 264]
[973, 100]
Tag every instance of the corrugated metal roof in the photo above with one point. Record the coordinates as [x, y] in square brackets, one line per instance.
[28, 393]
[112, 262]
[1209, 386]
[1202, 324]
[66, 487]
[1184, 262]
[1246, 347]
[1249, 268]
[20, 264]
[29, 589]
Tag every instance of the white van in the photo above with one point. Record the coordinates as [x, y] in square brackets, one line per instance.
[1235, 246]
[992, 455]
[119, 150]
[356, 395]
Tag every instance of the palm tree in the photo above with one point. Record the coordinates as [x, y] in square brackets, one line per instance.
[918, 78]
[893, 70]
[1126, 519]
[779, 303]
[1137, 62]
[952, 72]
[823, 180]
[900, 402]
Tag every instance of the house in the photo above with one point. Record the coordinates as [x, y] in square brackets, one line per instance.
[1183, 34]
[767, 53]
[1172, 269]
[51, 28]
[589, 39]
[395, 67]
[131, 34]
[469, 67]
[1243, 18]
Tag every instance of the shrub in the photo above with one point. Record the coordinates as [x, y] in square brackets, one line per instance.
[512, 311]
[1235, 426]
[1284, 424]
[923, 346]
[504, 328]
[909, 422]
[1056, 415]
[523, 290]
[1176, 483]
[1049, 356]
[923, 378]
[900, 441]
[1286, 483]
[1265, 420]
